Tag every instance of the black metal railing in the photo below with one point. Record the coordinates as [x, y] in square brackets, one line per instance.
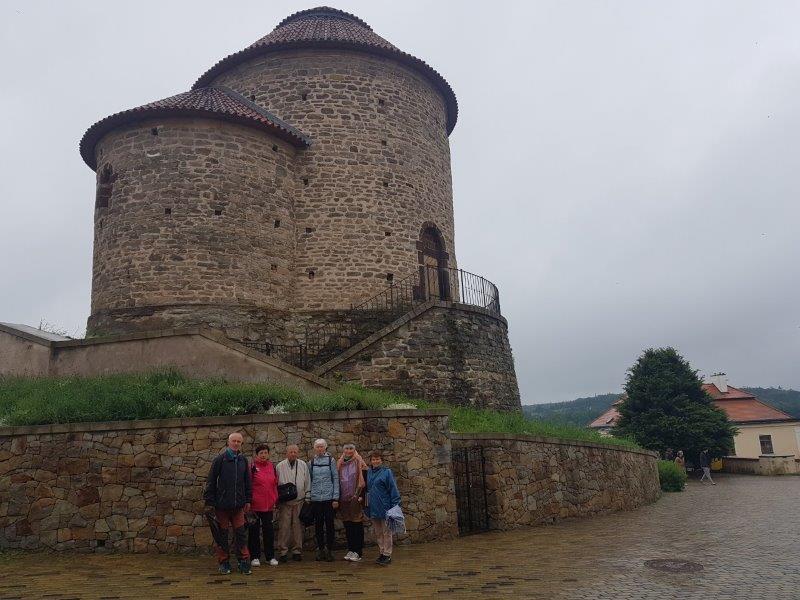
[326, 341]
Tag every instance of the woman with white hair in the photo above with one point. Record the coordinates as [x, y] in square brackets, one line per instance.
[324, 497]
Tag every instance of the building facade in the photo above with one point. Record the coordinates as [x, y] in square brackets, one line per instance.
[298, 198]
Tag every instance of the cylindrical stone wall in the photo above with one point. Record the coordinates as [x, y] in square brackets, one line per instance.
[377, 171]
[193, 225]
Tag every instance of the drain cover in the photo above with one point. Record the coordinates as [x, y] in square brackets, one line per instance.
[673, 566]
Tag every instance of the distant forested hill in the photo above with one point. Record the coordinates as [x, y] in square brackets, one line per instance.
[575, 412]
[583, 410]
[786, 400]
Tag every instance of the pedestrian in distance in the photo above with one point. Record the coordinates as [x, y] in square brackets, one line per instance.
[352, 483]
[324, 498]
[292, 473]
[669, 454]
[228, 494]
[680, 461]
[705, 464]
[382, 494]
[265, 496]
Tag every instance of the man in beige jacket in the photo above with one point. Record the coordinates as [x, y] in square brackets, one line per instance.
[290, 529]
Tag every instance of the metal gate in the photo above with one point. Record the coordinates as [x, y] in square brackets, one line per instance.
[469, 472]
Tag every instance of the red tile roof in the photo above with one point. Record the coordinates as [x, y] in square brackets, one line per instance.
[325, 27]
[607, 419]
[740, 406]
[212, 102]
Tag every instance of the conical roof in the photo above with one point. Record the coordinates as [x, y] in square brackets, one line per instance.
[326, 27]
[210, 102]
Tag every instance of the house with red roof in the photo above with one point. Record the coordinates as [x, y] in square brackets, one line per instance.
[763, 429]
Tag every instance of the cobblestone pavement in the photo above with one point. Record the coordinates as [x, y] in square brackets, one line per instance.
[745, 532]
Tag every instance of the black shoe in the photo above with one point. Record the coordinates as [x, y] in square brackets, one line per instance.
[244, 567]
[225, 568]
[283, 558]
[320, 554]
[297, 557]
[329, 556]
[383, 560]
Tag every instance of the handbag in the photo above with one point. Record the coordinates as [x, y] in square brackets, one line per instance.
[307, 515]
[288, 491]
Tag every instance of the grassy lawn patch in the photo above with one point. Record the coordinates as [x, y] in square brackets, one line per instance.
[162, 395]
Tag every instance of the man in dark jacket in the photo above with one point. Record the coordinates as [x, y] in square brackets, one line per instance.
[228, 493]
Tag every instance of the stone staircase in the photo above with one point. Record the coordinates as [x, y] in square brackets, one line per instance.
[325, 342]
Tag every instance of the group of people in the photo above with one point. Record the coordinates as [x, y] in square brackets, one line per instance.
[250, 496]
[704, 462]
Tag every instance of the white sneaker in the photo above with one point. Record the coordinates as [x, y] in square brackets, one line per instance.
[356, 558]
[255, 563]
[273, 562]
[349, 556]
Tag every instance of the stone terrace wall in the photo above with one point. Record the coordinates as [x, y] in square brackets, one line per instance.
[441, 351]
[531, 481]
[137, 486]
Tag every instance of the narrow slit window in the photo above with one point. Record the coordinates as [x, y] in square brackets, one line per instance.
[167, 211]
[277, 223]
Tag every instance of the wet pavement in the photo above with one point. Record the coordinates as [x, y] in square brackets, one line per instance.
[741, 538]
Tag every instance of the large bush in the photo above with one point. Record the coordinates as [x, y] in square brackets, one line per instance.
[666, 407]
[671, 476]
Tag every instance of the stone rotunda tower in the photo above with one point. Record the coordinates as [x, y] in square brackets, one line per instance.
[299, 199]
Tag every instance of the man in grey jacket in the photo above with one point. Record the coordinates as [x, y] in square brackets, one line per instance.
[324, 498]
[290, 529]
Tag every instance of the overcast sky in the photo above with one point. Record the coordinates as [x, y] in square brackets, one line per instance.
[628, 173]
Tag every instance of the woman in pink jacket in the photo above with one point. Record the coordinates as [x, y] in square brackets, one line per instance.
[265, 496]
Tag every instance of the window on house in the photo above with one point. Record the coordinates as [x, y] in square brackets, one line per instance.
[766, 444]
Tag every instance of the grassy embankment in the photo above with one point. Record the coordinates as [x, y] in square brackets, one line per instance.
[35, 401]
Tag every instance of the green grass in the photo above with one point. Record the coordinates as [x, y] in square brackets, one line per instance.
[161, 395]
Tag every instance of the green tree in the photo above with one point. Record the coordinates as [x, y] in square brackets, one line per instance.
[666, 407]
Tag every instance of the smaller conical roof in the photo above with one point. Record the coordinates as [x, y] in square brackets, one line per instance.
[326, 27]
[209, 102]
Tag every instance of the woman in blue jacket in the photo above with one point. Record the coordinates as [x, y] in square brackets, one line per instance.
[382, 494]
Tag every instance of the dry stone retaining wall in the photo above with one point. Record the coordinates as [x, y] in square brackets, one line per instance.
[137, 486]
[531, 481]
[449, 353]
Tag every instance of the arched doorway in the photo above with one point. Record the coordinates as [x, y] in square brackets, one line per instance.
[433, 271]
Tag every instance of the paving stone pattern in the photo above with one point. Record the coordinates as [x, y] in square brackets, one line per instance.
[742, 531]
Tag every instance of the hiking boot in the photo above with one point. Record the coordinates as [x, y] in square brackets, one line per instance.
[320, 554]
[283, 558]
[329, 556]
[244, 567]
[297, 557]
[225, 568]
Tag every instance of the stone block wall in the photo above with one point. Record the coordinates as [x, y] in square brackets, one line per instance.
[194, 214]
[377, 171]
[441, 351]
[137, 486]
[532, 481]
